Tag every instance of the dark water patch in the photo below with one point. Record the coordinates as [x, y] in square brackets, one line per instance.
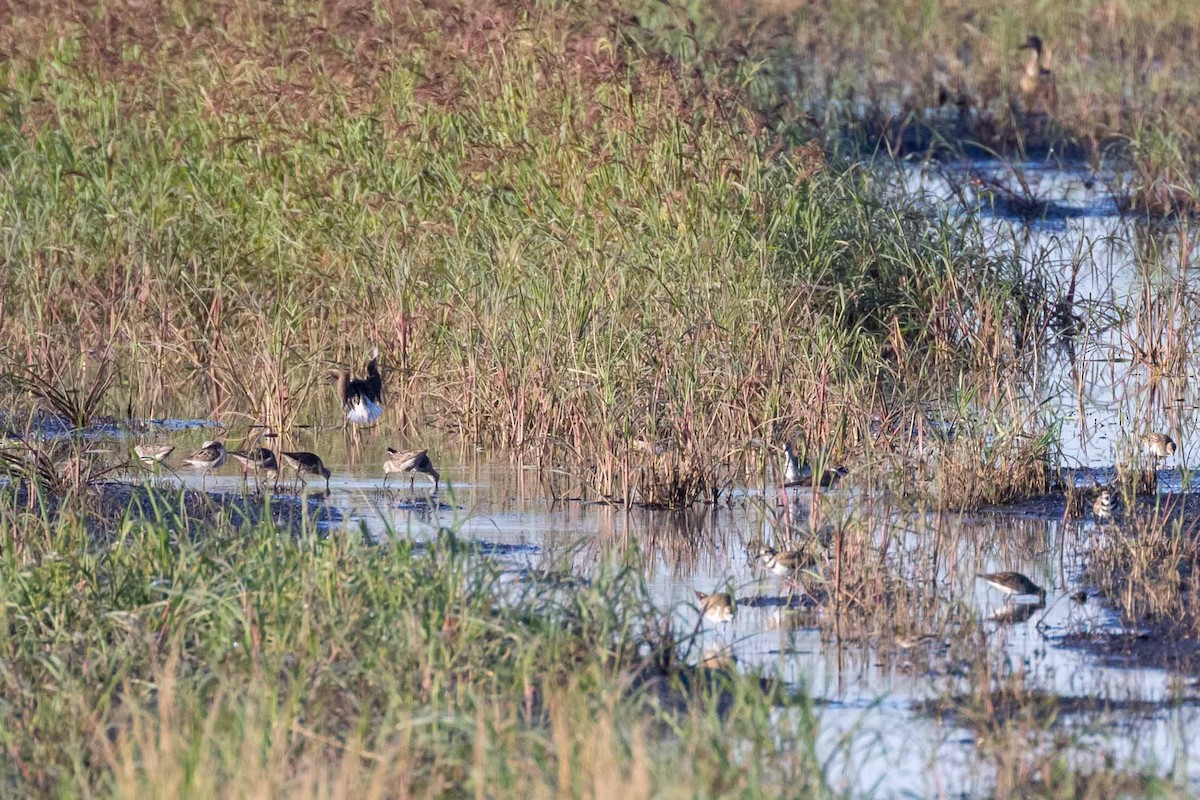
[502, 549]
[1168, 506]
[714, 680]
[1141, 649]
[788, 602]
[404, 500]
[478, 546]
[1034, 707]
[170, 424]
[560, 579]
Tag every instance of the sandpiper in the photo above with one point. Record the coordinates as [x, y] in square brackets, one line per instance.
[717, 606]
[1159, 444]
[1012, 583]
[362, 398]
[307, 464]
[785, 562]
[411, 461]
[151, 454]
[208, 458]
[1106, 505]
[260, 460]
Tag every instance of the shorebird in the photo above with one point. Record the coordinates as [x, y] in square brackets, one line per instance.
[151, 454]
[717, 606]
[361, 397]
[411, 461]
[1012, 583]
[260, 460]
[307, 464]
[209, 457]
[791, 469]
[1159, 444]
[786, 562]
[1106, 505]
[796, 473]
[1037, 80]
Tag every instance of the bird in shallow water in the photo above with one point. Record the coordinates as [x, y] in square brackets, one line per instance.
[1159, 444]
[260, 460]
[411, 461]
[717, 606]
[1106, 505]
[151, 454]
[796, 473]
[783, 562]
[307, 464]
[209, 457]
[362, 398]
[791, 467]
[1013, 584]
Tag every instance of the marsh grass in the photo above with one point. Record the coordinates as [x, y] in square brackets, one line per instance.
[199, 663]
[1146, 571]
[563, 237]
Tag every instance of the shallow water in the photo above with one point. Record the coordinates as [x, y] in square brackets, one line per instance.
[872, 733]
[874, 738]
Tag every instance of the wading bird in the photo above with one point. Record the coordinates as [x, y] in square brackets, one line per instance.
[796, 473]
[362, 398]
[717, 606]
[1159, 444]
[208, 458]
[1105, 506]
[785, 562]
[307, 464]
[791, 466]
[151, 454]
[1037, 79]
[260, 460]
[411, 461]
[1013, 584]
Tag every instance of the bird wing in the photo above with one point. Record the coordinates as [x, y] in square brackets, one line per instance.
[206, 453]
[373, 385]
[409, 460]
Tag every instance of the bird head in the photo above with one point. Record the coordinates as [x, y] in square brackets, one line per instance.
[1033, 43]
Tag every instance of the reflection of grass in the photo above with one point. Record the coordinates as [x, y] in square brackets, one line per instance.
[1012, 720]
[176, 665]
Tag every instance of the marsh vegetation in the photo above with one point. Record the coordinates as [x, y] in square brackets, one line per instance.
[614, 258]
